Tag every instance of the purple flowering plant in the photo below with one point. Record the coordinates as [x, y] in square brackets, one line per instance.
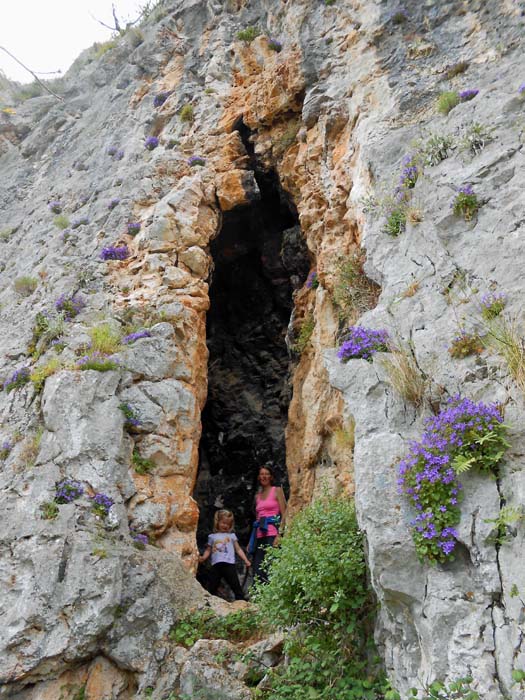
[408, 177]
[82, 221]
[133, 228]
[100, 504]
[492, 304]
[466, 95]
[465, 203]
[521, 89]
[5, 449]
[312, 281]
[68, 490]
[361, 342]
[132, 337]
[160, 98]
[99, 361]
[465, 344]
[17, 379]
[114, 253]
[151, 143]
[55, 207]
[464, 435]
[131, 418]
[139, 540]
[69, 306]
[119, 155]
[111, 150]
[275, 45]
[113, 203]
[196, 160]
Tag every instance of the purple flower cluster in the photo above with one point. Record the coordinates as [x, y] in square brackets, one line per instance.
[101, 504]
[275, 45]
[68, 490]
[112, 150]
[466, 189]
[55, 207]
[17, 379]
[362, 342]
[492, 304]
[119, 155]
[132, 337]
[133, 228]
[98, 361]
[196, 160]
[466, 95]
[140, 540]
[69, 306]
[113, 203]
[160, 98]
[151, 143]
[464, 432]
[132, 420]
[114, 253]
[521, 89]
[5, 449]
[312, 282]
[82, 221]
[407, 179]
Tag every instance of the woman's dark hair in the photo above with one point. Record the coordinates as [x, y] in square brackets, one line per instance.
[268, 469]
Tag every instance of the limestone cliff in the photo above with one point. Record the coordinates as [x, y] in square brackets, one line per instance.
[241, 165]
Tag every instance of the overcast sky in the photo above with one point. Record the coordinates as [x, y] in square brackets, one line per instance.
[47, 35]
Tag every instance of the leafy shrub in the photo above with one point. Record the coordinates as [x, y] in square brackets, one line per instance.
[41, 372]
[396, 221]
[317, 587]
[205, 624]
[25, 286]
[49, 510]
[19, 378]
[46, 329]
[465, 203]
[354, 293]
[436, 148]
[61, 221]
[492, 304]
[69, 306]
[447, 101]
[249, 34]
[465, 344]
[305, 333]
[186, 113]
[475, 137]
[142, 465]
[465, 435]
[105, 338]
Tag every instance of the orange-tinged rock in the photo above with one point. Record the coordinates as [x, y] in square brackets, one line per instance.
[236, 188]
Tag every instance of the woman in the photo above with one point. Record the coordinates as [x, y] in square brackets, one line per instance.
[270, 511]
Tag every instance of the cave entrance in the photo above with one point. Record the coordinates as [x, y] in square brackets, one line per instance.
[259, 259]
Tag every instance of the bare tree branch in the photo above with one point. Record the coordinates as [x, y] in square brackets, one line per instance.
[35, 76]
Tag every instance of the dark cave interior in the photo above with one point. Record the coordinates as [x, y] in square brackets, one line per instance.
[260, 257]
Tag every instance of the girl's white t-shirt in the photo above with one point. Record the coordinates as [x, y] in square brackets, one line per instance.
[222, 549]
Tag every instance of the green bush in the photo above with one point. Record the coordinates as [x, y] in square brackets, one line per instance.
[186, 114]
[142, 465]
[205, 624]
[396, 222]
[354, 293]
[447, 101]
[317, 588]
[248, 34]
[61, 221]
[305, 333]
[25, 286]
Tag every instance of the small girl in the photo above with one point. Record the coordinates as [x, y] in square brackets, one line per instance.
[222, 545]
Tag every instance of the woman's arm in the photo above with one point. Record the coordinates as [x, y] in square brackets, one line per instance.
[241, 553]
[279, 494]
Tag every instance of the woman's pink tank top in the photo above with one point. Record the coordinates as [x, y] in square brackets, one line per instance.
[264, 508]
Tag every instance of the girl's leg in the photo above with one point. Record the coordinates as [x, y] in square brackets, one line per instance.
[215, 578]
[229, 574]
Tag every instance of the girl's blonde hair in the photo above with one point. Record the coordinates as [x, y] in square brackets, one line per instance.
[223, 515]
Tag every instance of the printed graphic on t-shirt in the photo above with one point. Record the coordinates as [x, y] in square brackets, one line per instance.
[222, 547]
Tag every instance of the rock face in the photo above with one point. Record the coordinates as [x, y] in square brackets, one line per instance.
[329, 119]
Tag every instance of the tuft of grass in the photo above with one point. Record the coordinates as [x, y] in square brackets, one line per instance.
[305, 333]
[49, 510]
[354, 293]
[504, 338]
[186, 114]
[30, 448]
[249, 34]
[61, 221]
[134, 37]
[6, 233]
[142, 465]
[41, 372]
[456, 69]
[414, 215]
[475, 137]
[396, 222]
[404, 375]
[102, 48]
[411, 289]
[105, 339]
[447, 101]
[25, 286]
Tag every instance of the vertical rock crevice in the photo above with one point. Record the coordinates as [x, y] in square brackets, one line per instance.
[259, 259]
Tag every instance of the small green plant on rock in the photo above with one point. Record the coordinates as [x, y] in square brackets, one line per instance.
[49, 510]
[142, 465]
[61, 221]
[205, 624]
[105, 338]
[41, 372]
[447, 101]
[249, 34]
[505, 338]
[436, 148]
[507, 517]
[460, 689]
[465, 344]
[475, 137]
[25, 285]
[396, 221]
[186, 114]
[456, 69]
[305, 333]
[465, 203]
[353, 292]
